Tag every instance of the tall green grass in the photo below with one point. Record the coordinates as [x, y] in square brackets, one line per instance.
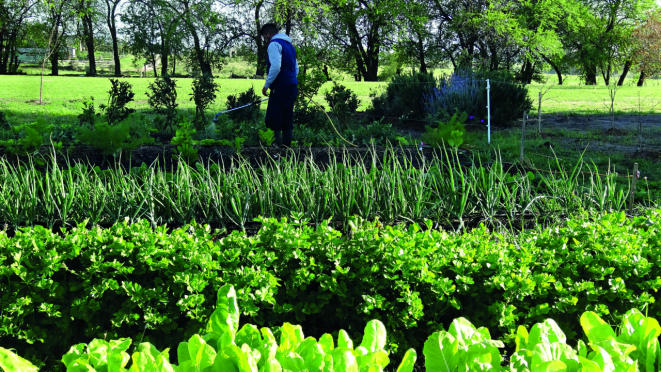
[389, 188]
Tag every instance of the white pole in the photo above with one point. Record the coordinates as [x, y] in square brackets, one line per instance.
[488, 111]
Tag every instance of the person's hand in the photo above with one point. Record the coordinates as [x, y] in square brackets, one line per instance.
[264, 91]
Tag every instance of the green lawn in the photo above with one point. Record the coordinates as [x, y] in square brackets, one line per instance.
[64, 95]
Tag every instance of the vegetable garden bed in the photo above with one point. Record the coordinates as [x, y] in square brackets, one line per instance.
[148, 285]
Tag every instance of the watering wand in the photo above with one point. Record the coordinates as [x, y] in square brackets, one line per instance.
[215, 119]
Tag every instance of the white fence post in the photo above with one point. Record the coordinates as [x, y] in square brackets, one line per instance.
[488, 111]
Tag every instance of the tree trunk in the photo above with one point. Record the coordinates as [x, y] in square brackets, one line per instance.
[165, 54]
[54, 65]
[54, 60]
[88, 29]
[590, 75]
[110, 19]
[261, 48]
[606, 74]
[421, 53]
[625, 71]
[555, 68]
[641, 79]
[3, 53]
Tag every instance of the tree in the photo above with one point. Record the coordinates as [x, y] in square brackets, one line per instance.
[87, 15]
[647, 52]
[59, 17]
[195, 16]
[603, 40]
[13, 14]
[143, 31]
[111, 16]
[362, 28]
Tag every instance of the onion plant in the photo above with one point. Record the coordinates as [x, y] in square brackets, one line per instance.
[390, 188]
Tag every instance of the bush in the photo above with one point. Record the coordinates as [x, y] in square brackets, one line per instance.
[119, 95]
[509, 98]
[460, 92]
[249, 114]
[404, 96]
[130, 279]
[466, 91]
[343, 102]
[310, 116]
[204, 94]
[163, 99]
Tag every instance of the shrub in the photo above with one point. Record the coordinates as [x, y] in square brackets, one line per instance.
[509, 98]
[249, 114]
[163, 98]
[89, 117]
[310, 116]
[460, 91]
[204, 94]
[119, 95]
[466, 91]
[342, 101]
[404, 96]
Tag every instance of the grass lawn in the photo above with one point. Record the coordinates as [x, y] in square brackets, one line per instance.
[65, 95]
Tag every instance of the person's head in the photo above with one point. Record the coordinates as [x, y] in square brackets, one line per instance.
[268, 31]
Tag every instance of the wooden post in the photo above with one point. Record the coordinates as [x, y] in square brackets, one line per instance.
[633, 188]
[523, 133]
[539, 114]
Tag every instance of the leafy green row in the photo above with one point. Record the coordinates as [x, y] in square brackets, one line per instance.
[59, 290]
[226, 348]
[440, 190]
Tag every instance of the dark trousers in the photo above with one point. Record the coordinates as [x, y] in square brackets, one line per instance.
[280, 113]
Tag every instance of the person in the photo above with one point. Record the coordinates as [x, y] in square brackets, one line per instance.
[281, 70]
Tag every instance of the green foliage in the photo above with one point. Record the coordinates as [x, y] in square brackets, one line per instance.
[130, 275]
[163, 99]
[4, 123]
[450, 133]
[104, 137]
[89, 117]
[204, 94]
[186, 149]
[310, 77]
[250, 114]
[237, 143]
[509, 98]
[403, 97]
[119, 95]
[310, 116]
[267, 136]
[343, 102]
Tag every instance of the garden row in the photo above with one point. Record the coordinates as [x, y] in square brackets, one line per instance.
[159, 287]
[226, 347]
[390, 188]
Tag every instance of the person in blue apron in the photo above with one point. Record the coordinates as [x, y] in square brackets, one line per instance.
[282, 70]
